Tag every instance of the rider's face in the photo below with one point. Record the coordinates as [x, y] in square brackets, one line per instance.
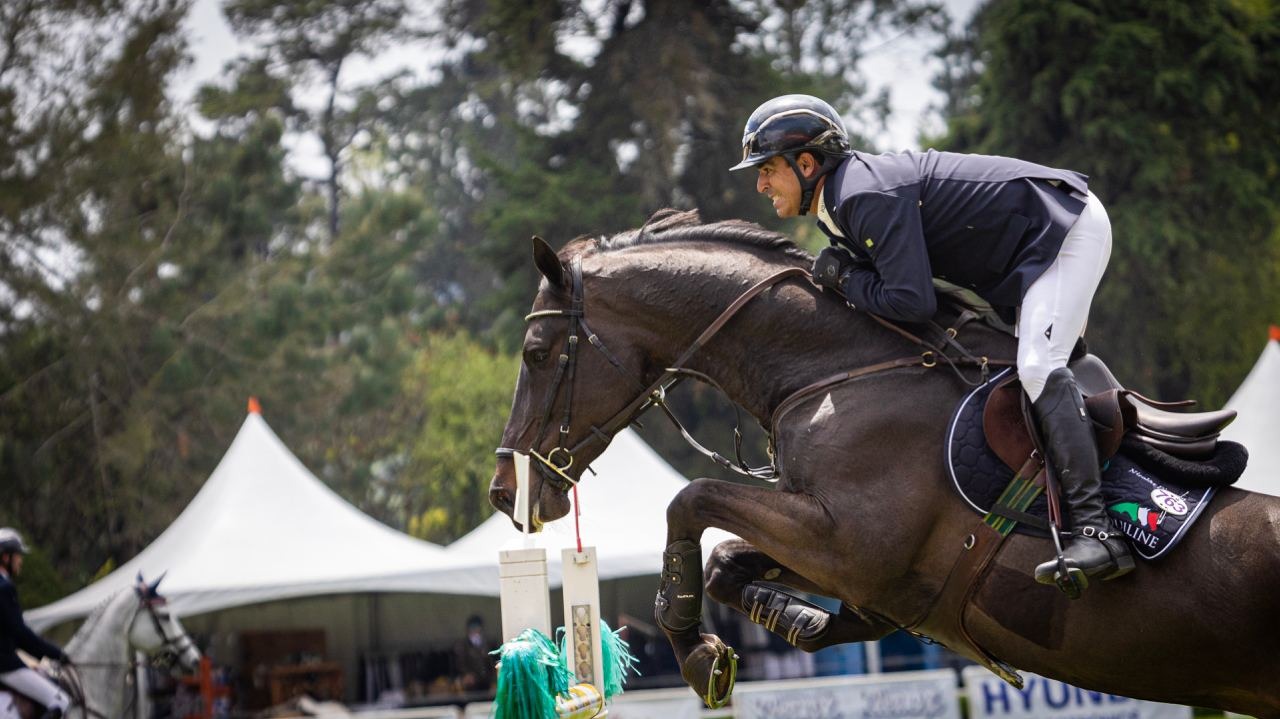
[776, 180]
[13, 563]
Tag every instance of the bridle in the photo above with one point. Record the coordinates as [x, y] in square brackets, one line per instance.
[174, 645]
[169, 644]
[554, 465]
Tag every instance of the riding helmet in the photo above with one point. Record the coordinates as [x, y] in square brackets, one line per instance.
[11, 541]
[788, 125]
[791, 124]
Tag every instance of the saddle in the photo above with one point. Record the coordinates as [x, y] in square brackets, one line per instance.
[1119, 416]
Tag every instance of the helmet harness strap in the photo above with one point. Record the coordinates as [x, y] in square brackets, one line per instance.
[807, 184]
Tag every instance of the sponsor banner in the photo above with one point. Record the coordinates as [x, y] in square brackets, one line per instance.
[656, 704]
[639, 704]
[901, 695]
[423, 713]
[992, 698]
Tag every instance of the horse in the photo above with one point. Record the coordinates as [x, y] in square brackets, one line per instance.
[862, 510]
[99, 680]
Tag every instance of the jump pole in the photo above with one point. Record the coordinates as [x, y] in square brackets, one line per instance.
[526, 603]
[581, 591]
[522, 573]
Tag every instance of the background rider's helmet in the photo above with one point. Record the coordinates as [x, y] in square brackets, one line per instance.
[11, 541]
[789, 125]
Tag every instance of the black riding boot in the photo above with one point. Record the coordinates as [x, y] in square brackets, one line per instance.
[1094, 548]
[54, 713]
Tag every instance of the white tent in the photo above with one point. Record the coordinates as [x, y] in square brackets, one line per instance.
[1258, 425]
[264, 528]
[624, 515]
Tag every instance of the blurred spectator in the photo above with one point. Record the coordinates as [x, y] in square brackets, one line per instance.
[473, 666]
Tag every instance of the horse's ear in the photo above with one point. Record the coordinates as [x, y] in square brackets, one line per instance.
[151, 588]
[547, 261]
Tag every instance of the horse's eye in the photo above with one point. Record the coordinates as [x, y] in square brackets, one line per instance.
[537, 356]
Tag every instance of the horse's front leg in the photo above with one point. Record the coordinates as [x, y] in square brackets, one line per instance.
[743, 578]
[786, 525]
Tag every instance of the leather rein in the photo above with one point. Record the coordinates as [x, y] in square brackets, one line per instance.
[555, 464]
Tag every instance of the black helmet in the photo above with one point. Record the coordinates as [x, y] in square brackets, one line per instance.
[791, 124]
[11, 541]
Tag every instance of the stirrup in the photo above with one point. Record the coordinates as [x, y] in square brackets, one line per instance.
[1070, 580]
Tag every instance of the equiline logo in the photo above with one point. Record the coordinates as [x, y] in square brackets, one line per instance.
[1139, 515]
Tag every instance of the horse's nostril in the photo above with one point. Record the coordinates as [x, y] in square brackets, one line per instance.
[501, 499]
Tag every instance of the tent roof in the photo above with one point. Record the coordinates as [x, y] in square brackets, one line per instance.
[624, 515]
[262, 528]
[1258, 402]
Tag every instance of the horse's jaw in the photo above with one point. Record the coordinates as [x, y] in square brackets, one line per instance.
[548, 504]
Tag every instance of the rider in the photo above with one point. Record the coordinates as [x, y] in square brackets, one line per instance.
[1031, 240]
[15, 634]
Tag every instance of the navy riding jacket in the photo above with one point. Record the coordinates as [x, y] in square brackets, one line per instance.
[15, 634]
[989, 224]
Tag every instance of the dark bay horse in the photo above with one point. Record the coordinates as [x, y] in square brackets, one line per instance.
[863, 511]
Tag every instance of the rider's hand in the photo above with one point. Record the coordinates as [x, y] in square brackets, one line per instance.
[831, 266]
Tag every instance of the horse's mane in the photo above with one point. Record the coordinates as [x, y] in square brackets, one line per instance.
[100, 608]
[671, 225]
[99, 613]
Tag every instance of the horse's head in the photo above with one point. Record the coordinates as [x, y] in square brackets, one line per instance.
[155, 629]
[574, 391]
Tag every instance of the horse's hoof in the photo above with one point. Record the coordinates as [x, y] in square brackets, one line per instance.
[711, 670]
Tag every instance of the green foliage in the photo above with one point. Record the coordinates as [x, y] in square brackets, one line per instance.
[466, 390]
[1169, 108]
[40, 583]
[321, 37]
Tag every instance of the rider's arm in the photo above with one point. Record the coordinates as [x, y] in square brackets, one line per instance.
[899, 285]
[11, 623]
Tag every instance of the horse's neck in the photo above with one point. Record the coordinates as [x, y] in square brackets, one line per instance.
[101, 650]
[778, 343]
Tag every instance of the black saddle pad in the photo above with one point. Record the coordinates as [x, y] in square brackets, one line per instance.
[1152, 511]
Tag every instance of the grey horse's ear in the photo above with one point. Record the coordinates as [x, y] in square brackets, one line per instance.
[547, 261]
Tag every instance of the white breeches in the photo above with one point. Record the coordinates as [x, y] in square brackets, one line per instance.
[1056, 307]
[34, 686]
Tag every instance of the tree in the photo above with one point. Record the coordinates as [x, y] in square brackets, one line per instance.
[94, 216]
[309, 37]
[1168, 107]
[465, 390]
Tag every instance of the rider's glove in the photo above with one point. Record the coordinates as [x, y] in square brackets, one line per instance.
[831, 267]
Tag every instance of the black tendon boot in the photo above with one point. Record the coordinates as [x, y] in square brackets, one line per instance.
[54, 713]
[1094, 549]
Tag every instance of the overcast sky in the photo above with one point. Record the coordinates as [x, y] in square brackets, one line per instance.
[902, 64]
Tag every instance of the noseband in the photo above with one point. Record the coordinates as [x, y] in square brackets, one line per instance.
[176, 645]
[554, 465]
